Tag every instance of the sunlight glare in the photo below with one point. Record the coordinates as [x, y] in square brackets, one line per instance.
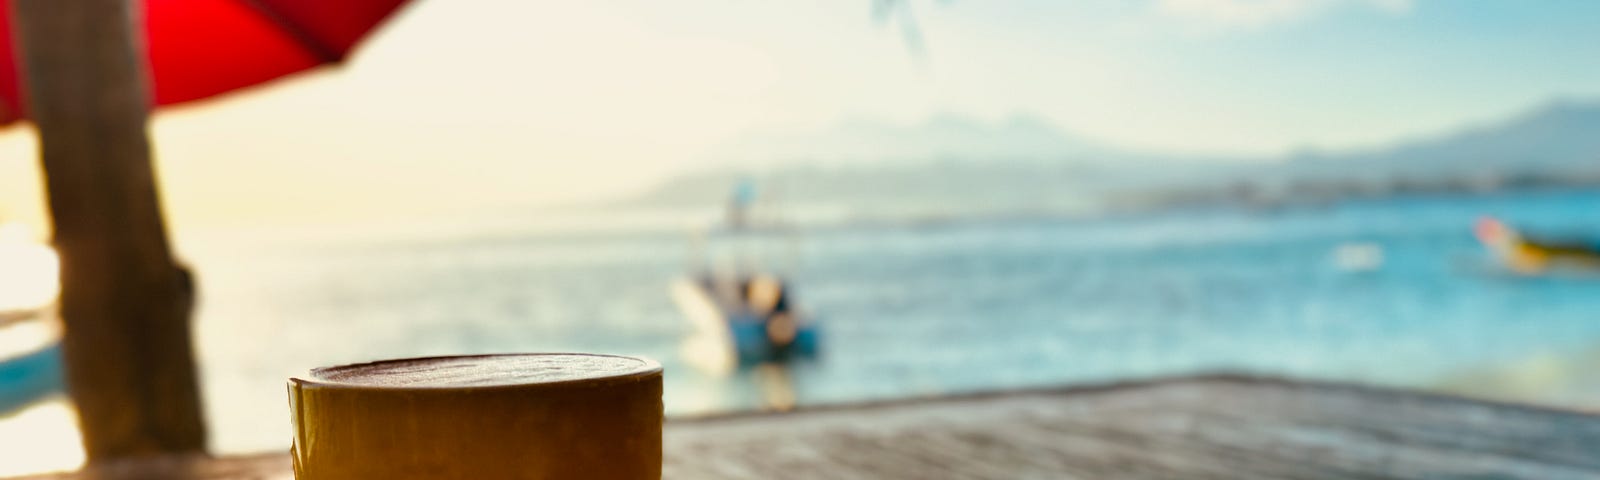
[40, 438]
[29, 272]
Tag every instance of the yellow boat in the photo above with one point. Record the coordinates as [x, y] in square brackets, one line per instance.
[1531, 257]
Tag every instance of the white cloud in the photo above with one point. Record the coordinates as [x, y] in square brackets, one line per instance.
[1257, 13]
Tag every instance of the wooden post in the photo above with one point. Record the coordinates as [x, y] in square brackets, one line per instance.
[124, 301]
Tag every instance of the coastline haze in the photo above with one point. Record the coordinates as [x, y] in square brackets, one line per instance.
[448, 100]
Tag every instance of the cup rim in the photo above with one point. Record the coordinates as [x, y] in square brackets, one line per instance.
[647, 368]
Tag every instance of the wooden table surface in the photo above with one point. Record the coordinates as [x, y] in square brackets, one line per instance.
[1217, 427]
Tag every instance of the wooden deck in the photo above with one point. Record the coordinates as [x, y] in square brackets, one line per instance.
[1217, 427]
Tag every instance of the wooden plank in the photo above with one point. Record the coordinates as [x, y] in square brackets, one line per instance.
[1194, 428]
[124, 301]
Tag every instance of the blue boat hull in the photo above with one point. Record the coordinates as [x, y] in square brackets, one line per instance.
[750, 341]
[29, 377]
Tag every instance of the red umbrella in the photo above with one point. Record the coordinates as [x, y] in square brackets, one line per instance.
[200, 48]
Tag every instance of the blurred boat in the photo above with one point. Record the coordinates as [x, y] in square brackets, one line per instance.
[30, 336]
[30, 358]
[743, 320]
[743, 312]
[1532, 257]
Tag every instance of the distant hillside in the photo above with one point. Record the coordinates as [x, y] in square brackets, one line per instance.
[859, 142]
[1557, 136]
[953, 188]
[1557, 144]
[952, 165]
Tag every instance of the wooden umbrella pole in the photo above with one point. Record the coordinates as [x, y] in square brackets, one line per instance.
[124, 300]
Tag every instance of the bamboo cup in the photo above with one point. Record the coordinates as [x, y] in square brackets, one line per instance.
[532, 416]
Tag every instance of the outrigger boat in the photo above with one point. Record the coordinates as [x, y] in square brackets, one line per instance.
[30, 335]
[743, 315]
[743, 320]
[30, 358]
[1530, 257]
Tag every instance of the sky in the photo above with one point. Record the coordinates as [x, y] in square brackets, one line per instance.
[499, 105]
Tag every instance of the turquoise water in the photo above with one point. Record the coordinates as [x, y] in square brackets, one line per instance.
[932, 309]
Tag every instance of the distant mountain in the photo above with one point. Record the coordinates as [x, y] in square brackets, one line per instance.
[1560, 135]
[1557, 144]
[946, 165]
[948, 188]
[941, 137]
[952, 165]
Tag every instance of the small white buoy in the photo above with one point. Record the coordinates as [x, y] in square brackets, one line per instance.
[1358, 257]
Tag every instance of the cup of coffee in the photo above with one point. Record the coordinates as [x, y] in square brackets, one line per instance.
[521, 416]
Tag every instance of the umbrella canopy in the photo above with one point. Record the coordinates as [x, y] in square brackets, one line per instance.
[200, 48]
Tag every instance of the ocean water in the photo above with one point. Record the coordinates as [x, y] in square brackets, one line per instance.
[1391, 292]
